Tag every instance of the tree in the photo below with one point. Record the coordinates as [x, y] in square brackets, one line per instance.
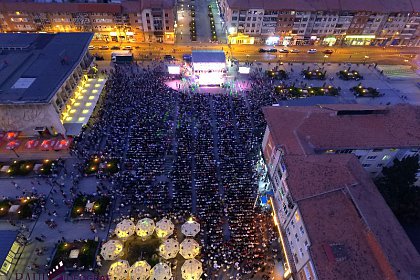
[398, 189]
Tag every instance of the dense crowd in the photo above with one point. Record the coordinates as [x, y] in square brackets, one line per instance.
[185, 154]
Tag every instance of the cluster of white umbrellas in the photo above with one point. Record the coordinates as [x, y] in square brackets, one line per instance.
[144, 228]
[189, 248]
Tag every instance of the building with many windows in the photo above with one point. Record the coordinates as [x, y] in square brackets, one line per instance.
[334, 224]
[39, 75]
[122, 21]
[332, 22]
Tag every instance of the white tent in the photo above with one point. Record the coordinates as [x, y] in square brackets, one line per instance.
[189, 248]
[119, 270]
[125, 229]
[190, 228]
[111, 250]
[169, 248]
[191, 270]
[140, 270]
[161, 271]
[145, 228]
[164, 228]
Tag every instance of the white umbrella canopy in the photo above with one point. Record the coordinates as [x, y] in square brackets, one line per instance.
[190, 228]
[164, 228]
[161, 271]
[145, 228]
[140, 270]
[189, 248]
[111, 250]
[191, 270]
[125, 229]
[119, 270]
[169, 248]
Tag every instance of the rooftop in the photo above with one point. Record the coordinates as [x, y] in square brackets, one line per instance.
[34, 73]
[328, 5]
[354, 234]
[205, 56]
[7, 238]
[306, 129]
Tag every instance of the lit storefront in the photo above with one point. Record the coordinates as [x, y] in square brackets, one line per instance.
[240, 38]
[329, 41]
[358, 40]
[11, 246]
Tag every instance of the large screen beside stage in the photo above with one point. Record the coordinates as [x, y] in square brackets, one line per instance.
[174, 69]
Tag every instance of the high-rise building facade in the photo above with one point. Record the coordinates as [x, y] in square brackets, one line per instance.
[324, 22]
[122, 21]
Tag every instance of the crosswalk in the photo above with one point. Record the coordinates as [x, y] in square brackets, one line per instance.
[398, 71]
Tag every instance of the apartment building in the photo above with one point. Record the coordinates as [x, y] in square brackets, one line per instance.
[326, 23]
[123, 21]
[333, 221]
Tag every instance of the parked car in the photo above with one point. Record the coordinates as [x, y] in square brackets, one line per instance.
[104, 48]
[283, 51]
[295, 51]
[128, 48]
[272, 50]
[168, 57]
[91, 48]
[312, 51]
[115, 48]
[328, 51]
[262, 50]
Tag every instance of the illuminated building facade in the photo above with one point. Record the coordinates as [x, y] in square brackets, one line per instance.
[39, 75]
[209, 67]
[327, 23]
[129, 20]
[334, 224]
[10, 250]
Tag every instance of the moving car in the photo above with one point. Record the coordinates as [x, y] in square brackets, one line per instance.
[272, 50]
[91, 48]
[115, 48]
[104, 48]
[283, 51]
[295, 51]
[328, 51]
[312, 51]
[128, 48]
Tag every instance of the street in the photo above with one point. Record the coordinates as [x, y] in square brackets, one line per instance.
[243, 53]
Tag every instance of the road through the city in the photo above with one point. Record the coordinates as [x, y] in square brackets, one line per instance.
[250, 53]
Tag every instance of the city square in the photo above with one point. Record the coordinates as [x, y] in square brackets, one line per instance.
[199, 147]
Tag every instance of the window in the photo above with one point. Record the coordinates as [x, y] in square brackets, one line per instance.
[297, 237]
[292, 223]
[380, 165]
[302, 232]
[366, 165]
[386, 157]
[301, 252]
[371, 157]
[147, 14]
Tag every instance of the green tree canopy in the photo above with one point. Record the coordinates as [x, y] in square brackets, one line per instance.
[398, 189]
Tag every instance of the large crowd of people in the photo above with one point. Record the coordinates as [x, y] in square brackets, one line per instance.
[185, 154]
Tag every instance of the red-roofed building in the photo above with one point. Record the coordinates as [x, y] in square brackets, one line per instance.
[334, 222]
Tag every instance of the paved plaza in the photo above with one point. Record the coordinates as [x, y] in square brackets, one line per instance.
[181, 154]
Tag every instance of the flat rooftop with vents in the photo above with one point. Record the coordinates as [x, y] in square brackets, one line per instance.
[34, 66]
